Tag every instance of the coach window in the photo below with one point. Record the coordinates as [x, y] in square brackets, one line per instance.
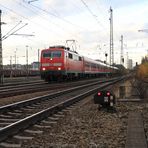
[87, 64]
[70, 55]
[75, 57]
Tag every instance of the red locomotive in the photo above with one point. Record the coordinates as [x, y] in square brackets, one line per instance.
[59, 62]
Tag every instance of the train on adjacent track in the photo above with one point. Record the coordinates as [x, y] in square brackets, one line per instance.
[60, 63]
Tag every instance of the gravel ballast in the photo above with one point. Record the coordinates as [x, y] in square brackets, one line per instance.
[86, 126]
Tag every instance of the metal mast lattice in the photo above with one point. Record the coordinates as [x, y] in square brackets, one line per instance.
[111, 38]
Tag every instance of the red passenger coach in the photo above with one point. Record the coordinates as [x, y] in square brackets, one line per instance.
[58, 62]
[94, 68]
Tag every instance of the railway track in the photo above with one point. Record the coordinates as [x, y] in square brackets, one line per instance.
[21, 115]
[19, 80]
[38, 86]
[7, 91]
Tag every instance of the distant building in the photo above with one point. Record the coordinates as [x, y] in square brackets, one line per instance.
[130, 64]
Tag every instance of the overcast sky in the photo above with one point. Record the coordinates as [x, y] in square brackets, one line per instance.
[52, 22]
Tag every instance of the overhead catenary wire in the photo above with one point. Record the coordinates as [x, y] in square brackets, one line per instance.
[90, 11]
[43, 27]
[34, 8]
[26, 18]
[47, 12]
[65, 20]
[55, 15]
[104, 30]
[11, 30]
[43, 15]
[14, 32]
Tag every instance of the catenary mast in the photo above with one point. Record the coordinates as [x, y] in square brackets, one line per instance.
[1, 57]
[111, 38]
[121, 56]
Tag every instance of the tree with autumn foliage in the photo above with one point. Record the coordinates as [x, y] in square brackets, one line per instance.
[142, 71]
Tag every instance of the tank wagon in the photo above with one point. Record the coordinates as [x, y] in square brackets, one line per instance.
[60, 63]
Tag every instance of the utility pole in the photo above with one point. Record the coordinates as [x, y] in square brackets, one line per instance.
[1, 55]
[11, 66]
[10, 62]
[15, 59]
[39, 59]
[121, 57]
[127, 60]
[27, 60]
[111, 38]
[1, 61]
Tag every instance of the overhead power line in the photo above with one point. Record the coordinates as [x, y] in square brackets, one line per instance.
[54, 15]
[31, 1]
[90, 11]
[95, 17]
[143, 30]
[11, 30]
[43, 16]
[23, 34]
[13, 33]
[26, 18]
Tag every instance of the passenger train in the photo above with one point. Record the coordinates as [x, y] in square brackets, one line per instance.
[60, 63]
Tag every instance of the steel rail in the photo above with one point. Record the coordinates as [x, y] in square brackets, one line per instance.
[15, 81]
[48, 96]
[13, 91]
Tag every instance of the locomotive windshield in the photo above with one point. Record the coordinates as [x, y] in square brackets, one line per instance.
[52, 54]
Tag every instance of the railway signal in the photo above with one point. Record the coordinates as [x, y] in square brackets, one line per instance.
[105, 99]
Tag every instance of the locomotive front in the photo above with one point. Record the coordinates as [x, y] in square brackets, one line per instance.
[52, 63]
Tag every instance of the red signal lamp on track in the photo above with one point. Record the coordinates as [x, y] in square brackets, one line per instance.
[99, 93]
[108, 93]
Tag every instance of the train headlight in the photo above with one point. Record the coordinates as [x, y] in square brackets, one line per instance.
[59, 68]
[43, 68]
